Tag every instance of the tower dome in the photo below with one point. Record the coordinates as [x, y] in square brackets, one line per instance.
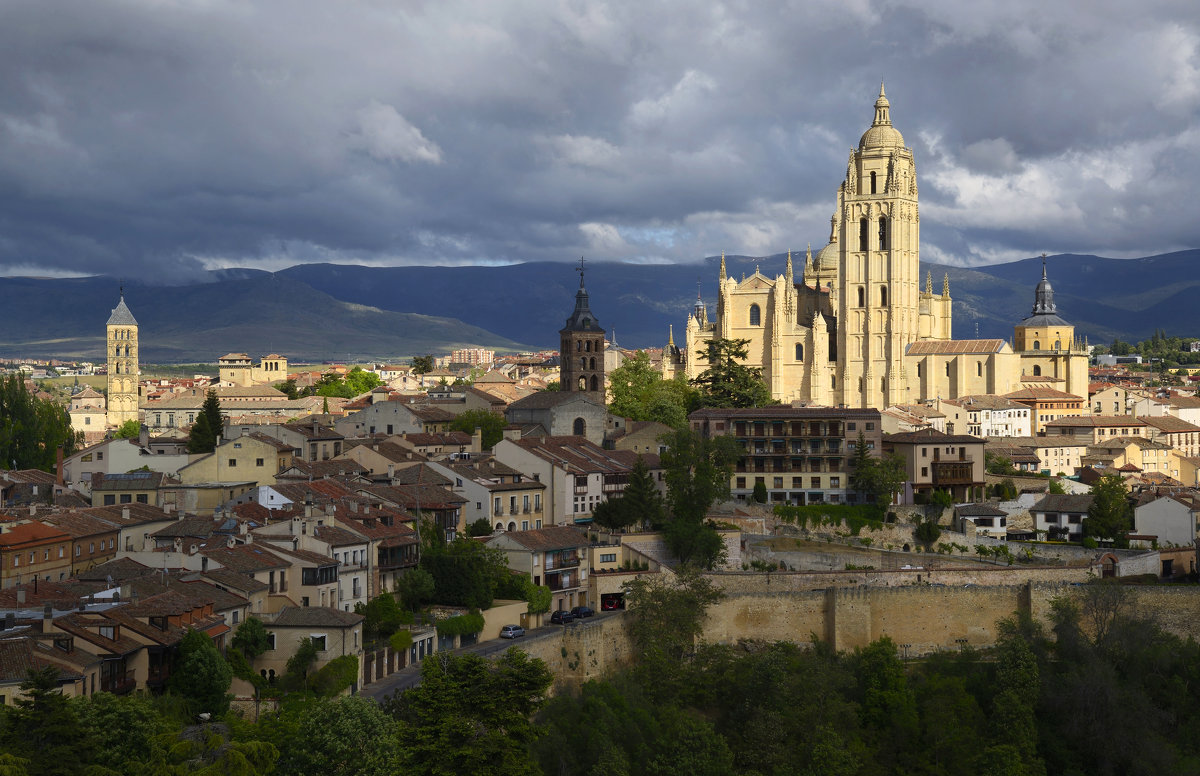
[1045, 312]
[881, 134]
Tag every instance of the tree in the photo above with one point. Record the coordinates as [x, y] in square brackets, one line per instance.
[760, 492]
[491, 425]
[1110, 515]
[641, 502]
[666, 617]
[337, 737]
[288, 387]
[251, 638]
[941, 498]
[201, 675]
[614, 514]
[130, 429]
[1056, 487]
[415, 587]
[119, 730]
[383, 617]
[727, 382]
[31, 429]
[639, 392]
[422, 364]
[697, 475]
[202, 438]
[878, 478]
[927, 532]
[480, 527]
[471, 715]
[44, 727]
[355, 383]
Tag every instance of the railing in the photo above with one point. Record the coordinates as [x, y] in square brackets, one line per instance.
[118, 684]
[561, 582]
[953, 473]
[561, 561]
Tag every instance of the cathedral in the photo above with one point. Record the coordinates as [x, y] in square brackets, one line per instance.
[854, 326]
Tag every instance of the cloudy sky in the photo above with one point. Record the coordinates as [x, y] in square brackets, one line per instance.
[168, 136]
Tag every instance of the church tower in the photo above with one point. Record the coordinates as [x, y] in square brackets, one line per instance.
[581, 354]
[122, 350]
[878, 286]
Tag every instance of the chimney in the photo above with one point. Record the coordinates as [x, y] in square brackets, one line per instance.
[143, 435]
[391, 470]
[33, 510]
[477, 440]
[124, 513]
[58, 466]
[48, 612]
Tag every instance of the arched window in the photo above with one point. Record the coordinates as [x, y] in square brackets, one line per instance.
[499, 526]
[883, 296]
[583, 362]
[799, 351]
[862, 297]
[578, 346]
[587, 346]
[872, 181]
[862, 234]
[979, 369]
[580, 427]
[583, 383]
[1037, 345]
[1037, 371]
[592, 362]
[595, 383]
[1058, 344]
[512, 526]
[883, 241]
[755, 315]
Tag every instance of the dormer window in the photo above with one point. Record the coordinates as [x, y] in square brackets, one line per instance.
[159, 622]
[109, 632]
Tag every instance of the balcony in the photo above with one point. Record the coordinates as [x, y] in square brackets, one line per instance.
[953, 473]
[561, 560]
[565, 581]
[119, 683]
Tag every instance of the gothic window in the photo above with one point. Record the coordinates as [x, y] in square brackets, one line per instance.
[583, 383]
[592, 362]
[578, 346]
[1057, 344]
[595, 384]
[883, 296]
[799, 351]
[583, 362]
[862, 234]
[588, 346]
[755, 315]
[1037, 371]
[883, 233]
[862, 297]
[580, 428]
[872, 181]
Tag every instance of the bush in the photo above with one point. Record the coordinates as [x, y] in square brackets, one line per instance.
[927, 532]
[760, 492]
[462, 625]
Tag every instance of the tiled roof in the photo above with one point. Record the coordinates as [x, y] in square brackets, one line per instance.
[246, 558]
[27, 533]
[1169, 425]
[1063, 502]
[930, 347]
[546, 399]
[931, 436]
[315, 617]
[321, 469]
[979, 510]
[985, 401]
[77, 524]
[576, 454]
[1033, 393]
[120, 569]
[555, 537]
[141, 480]
[337, 537]
[1096, 421]
[235, 579]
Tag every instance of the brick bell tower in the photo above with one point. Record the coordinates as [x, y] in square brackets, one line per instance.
[581, 350]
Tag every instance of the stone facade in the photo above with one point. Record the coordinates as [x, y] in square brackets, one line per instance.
[123, 371]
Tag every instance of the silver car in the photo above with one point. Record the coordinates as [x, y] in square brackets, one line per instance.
[511, 631]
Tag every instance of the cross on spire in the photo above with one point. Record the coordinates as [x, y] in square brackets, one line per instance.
[579, 269]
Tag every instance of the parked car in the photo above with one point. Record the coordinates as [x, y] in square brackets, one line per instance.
[583, 611]
[511, 632]
[562, 617]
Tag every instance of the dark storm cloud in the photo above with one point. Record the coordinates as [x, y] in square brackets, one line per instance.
[161, 138]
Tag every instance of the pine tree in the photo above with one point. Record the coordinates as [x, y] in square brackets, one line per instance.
[642, 496]
[202, 438]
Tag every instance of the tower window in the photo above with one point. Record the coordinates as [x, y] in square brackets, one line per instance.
[947, 369]
[578, 346]
[755, 315]
[580, 428]
[799, 351]
[595, 383]
[1037, 345]
[583, 383]
[588, 346]
[1037, 371]
[979, 369]
[872, 182]
[862, 297]
[862, 234]
[583, 362]
[883, 296]
[883, 233]
[592, 363]
[1058, 344]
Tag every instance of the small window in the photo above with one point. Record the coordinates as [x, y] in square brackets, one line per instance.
[260, 462]
[882, 230]
[862, 297]
[883, 296]
[755, 315]
[872, 181]
[1037, 370]
[979, 369]
[1037, 345]
[270, 641]
[318, 641]
[799, 353]
[862, 234]
[232, 463]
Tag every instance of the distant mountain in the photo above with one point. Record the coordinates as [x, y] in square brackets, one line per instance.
[339, 312]
[246, 311]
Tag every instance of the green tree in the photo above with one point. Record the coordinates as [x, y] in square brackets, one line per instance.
[878, 478]
[480, 527]
[927, 533]
[288, 387]
[337, 737]
[1056, 487]
[201, 675]
[44, 727]
[941, 498]
[383, 617]
[130, 429]
[491, 425]
[251, 638]
[697, 476]
[760, 492]
[666, 615]
[422, 364]
[359, 381]
[415, 587]
[202, 438]
[614, 514]
[727, 382]
[31, 429]
[641, 502]
[1110, 515]
[120, 730]
[471, 715]
[297, 671]
[639, 392]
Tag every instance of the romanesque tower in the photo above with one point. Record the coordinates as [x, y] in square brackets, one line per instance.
[581, 354]
[877, 232]
[122, 365]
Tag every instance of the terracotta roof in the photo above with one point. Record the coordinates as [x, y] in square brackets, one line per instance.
[555, 537]
[1169, 425]
[979, 510]
[77, 524]
[226, 578]
[985, 401]
[337, 537]
[246, 558]
[1035, 393]
[546, 399]
[931, 436]
[930, 347]
[30, 533]
[120, 569]
[1063, 502]
[576, 454]
[320, 469]
[1096, 421]
[315, 617]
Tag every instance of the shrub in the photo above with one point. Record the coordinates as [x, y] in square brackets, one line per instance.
[462, 625]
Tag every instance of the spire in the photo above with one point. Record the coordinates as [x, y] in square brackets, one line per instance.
[788, 270]
[946, 286]
[929, 283]
[1043, 298]
[882, 109]
[722, 266]
[670, 335]
[582, 318]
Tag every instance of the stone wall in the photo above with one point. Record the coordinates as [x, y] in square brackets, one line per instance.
[585, 649]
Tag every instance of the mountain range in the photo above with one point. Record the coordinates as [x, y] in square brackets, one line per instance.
[323, 312]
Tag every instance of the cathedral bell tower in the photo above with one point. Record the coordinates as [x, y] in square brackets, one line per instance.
[581, 354]
[878, 284]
